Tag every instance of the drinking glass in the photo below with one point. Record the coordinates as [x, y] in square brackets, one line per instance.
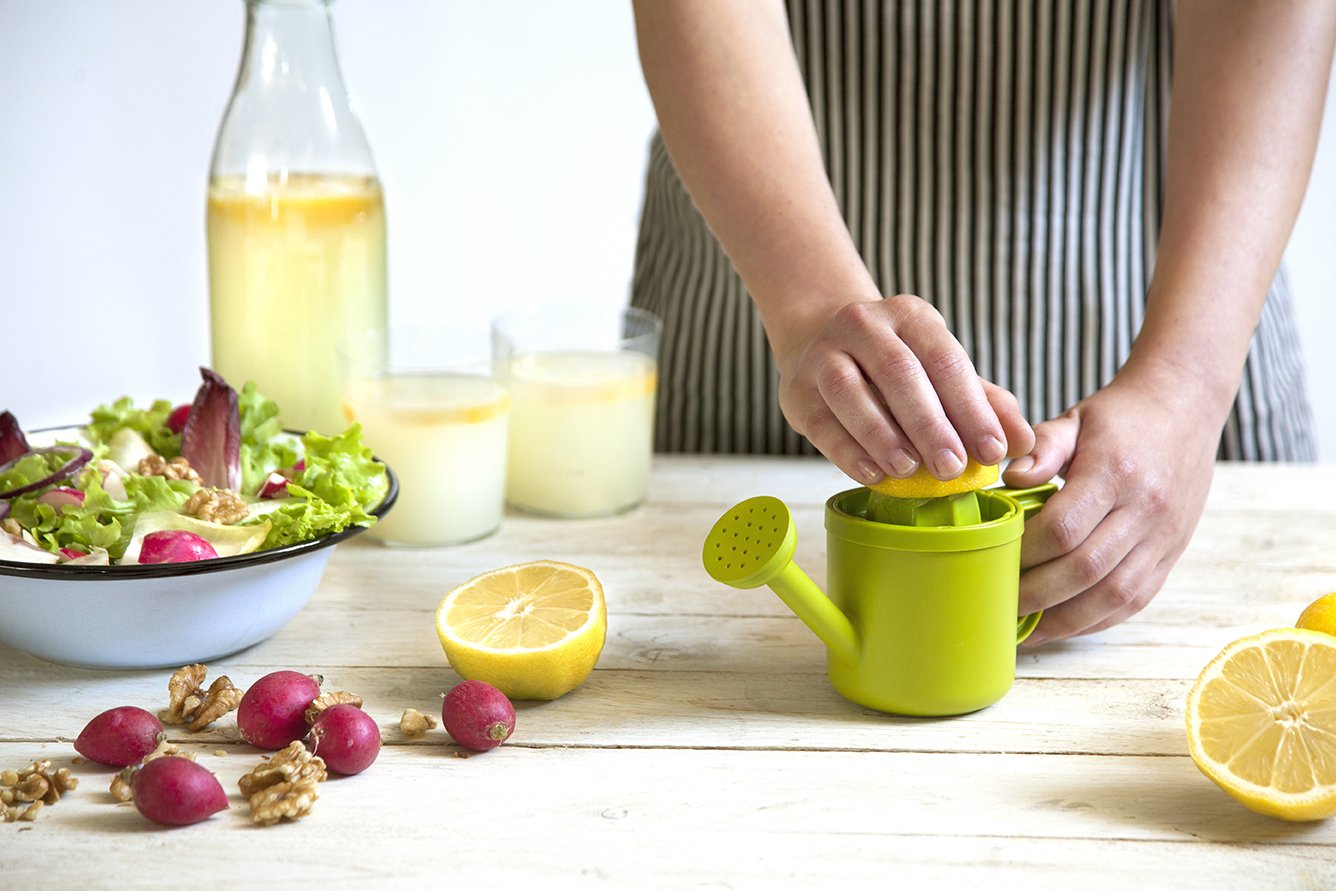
[582, 382]
[431, 407]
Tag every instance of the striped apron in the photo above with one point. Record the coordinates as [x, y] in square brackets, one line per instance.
[1002, 160]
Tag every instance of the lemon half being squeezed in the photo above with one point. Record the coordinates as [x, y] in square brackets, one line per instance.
[533, 630]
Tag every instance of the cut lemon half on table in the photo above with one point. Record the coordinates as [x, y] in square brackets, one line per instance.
[533, 631]
[1320, 615]
[1261, 722]
[922, 484]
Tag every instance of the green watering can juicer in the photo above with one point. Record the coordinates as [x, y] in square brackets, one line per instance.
[921, 617]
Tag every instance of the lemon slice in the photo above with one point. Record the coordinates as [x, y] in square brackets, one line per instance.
[922, 484]
[533, 630]
[1261, 722]
[1320, 615]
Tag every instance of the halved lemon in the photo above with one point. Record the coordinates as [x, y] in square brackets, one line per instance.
[533, 630]
[922, 484]
[1320, 615]
[1261, 723]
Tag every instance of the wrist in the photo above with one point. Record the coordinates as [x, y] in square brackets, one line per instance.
[1203, 389]
[792, 320]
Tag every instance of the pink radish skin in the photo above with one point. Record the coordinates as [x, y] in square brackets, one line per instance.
[176, 421]
[477, 715]
[119, 736]
[273, 711]
[274, 486]
[176, 791]
[61, 496]
[346, 738]
[175, 546]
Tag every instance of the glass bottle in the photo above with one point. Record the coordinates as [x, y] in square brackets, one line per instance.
[296, 218]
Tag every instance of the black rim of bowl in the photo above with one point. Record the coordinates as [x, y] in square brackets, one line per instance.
[67, 572]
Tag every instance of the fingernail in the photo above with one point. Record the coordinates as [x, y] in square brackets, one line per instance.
[903, 462]
[1021, 465]
[948, 464]
[869, 472]
[991, 449]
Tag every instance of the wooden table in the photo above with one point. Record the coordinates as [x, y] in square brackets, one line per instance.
[708, 749]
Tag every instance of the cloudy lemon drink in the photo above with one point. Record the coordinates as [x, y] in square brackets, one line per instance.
[582, 416]
[294, 266]
[440, 424]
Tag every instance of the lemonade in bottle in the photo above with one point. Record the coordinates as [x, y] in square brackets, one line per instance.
[295, 217]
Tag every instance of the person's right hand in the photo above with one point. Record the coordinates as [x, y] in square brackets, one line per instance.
[883, 386]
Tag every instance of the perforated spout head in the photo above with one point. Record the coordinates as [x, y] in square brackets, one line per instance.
[751, 544]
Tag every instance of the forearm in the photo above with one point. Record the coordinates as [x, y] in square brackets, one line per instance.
[735, 119]
[1250, 78]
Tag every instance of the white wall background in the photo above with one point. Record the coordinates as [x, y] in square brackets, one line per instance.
[510, 138]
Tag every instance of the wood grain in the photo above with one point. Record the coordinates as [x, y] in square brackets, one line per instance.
[708, 748]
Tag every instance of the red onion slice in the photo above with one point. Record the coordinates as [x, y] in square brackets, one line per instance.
[78, 458]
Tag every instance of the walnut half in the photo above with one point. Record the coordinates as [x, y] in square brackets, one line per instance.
[195, 706]
[283, 787]
[176, 469]
[216, 506]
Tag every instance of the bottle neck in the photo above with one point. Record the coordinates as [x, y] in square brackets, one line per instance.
[290, 111]
[290, 43]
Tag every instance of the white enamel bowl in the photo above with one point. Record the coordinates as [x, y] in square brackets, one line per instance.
[164, 615]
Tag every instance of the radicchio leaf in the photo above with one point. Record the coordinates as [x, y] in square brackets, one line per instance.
[12, 442]
[211, 439]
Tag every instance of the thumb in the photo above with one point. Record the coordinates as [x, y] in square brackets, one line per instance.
[1054, 446]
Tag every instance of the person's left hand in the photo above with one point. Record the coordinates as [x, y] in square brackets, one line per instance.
[1137, 460]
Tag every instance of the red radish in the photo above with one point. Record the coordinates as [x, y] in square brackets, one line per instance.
[346, 738]
[295, 469]
[72, 554]
[176, 421]
[119, 736]
[113, 483]
[272, 714]
[176, 791]
[61, 496]
[274, 486]
[175, 546]
[477, 715]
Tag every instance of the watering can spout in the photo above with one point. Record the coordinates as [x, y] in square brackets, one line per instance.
[753, 544]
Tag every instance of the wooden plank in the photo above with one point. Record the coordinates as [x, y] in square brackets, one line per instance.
[674, 709]
[627, 815]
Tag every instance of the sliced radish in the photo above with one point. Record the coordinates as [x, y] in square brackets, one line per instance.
[61, 497]
[274, 486]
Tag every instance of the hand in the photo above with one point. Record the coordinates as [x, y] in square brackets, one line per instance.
[1137, 464]
[884, 387]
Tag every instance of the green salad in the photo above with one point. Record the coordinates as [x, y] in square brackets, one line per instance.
[165, 483]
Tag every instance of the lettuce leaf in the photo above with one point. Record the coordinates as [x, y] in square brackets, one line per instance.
[341, 471]
[30, 468]
[340, 482]
[151, 423]
[101, 521]
[264, 445]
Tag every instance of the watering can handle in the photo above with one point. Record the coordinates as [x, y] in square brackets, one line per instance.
[1030, 500]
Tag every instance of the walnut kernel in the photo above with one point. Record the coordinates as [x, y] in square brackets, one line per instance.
[176, 469]
[34, 787]
[194, 706]
[283, 787]
[329, 700]
[414, 723]
[216, 506]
